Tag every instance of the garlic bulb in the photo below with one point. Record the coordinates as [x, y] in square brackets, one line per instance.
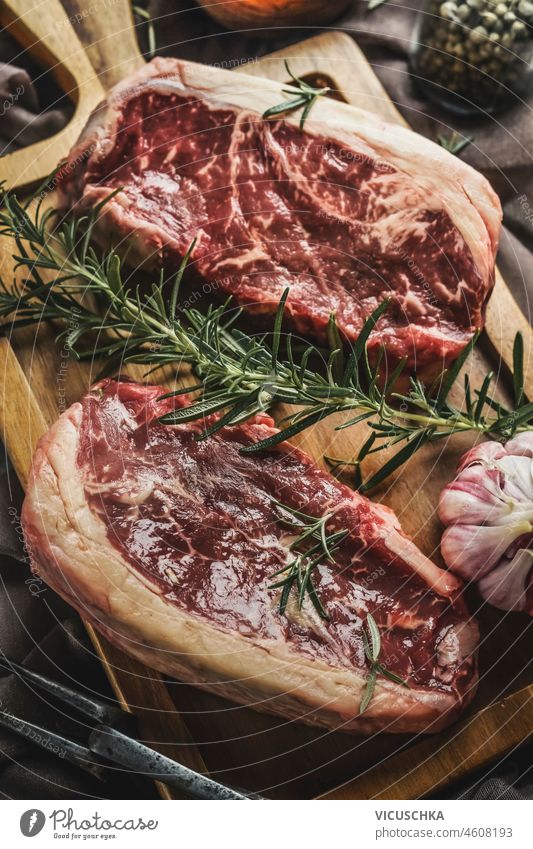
[488, 513]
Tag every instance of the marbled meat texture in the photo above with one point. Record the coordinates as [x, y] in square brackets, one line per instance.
[345, 213]
[168, 545]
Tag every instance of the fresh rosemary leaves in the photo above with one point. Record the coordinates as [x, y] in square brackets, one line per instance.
[422, 415]
[372, 646]
[237, 373]
[454, 143]
[305, 99]
[311, 546]
[314, 545]
[144, 20]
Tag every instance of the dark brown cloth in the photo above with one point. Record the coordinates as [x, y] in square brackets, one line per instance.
[39, 629]
[32, 107]
[42, 632]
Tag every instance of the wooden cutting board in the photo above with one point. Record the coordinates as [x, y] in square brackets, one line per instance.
[237, 745]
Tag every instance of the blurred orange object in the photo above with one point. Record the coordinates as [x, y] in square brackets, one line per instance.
[270, 15]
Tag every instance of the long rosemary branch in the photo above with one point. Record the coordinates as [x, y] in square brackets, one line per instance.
[238, 374]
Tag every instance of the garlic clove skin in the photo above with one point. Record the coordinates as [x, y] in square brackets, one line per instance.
[485, 452]
[508, 586]
[517, 472]
[495, 494]
[488, 514]
[521, 445]
[476, 496]
[473, 550]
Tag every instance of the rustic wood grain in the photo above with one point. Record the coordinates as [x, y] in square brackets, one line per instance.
[336, 55]
[22, 422]
[239, 745]
[431, 765]
[504, 319]
[108, 37]
[45, 34]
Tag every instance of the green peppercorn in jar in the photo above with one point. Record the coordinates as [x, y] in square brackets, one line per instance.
[472, 55]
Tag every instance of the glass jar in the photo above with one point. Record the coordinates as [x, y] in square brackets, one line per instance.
[472, 55]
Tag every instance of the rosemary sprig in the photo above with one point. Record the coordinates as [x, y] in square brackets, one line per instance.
[454, 143]
[372, 647]
[143, 17]
[237, 373]
[437, 418]
[312, 546]
[308, 94]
